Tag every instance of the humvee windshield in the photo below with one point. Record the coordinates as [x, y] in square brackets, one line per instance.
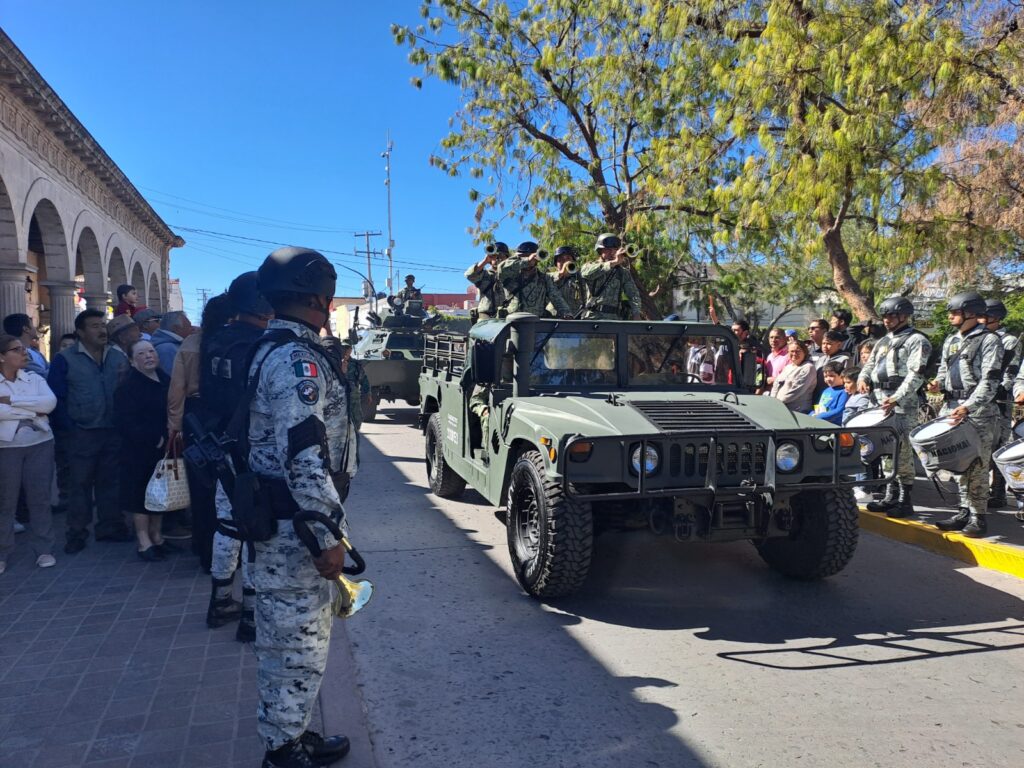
[405, 341]
[573, 359]
[674, 359]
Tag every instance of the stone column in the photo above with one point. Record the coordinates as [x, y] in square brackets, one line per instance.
[100, 301]
[12, 290]
[62, 311]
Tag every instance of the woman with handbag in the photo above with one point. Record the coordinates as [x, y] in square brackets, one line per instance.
[26, 451]
[140, 413]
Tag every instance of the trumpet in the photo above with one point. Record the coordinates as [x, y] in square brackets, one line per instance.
[491, 249]
[571, 267]
[348, 596]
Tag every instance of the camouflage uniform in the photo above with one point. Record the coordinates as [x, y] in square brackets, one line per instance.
[573, 290]
[358, 387]
[298, 396]
[409, 294]
[492, 294]
[972, 380]
[1011, 362]
[479, 404]
[530, 291]
[896, 370]
[605, 286]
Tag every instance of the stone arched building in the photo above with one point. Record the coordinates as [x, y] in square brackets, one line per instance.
[72, 226]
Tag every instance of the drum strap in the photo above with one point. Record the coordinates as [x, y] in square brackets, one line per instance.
[968, 349]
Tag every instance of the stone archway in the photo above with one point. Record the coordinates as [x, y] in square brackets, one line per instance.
[89, 269]
[12, 268]
[116, 272]
[153, 295]
[48, 253]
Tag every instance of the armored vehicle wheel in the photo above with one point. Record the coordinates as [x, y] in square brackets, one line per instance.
[550, 537]
[822, 540]
[370, 403]
[442, 478]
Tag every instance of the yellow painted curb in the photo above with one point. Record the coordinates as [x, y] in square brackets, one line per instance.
[1004, 558]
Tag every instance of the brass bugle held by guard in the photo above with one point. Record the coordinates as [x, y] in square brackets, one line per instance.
[632, 250]
[348, 596]
[492, 249]
[572, 267]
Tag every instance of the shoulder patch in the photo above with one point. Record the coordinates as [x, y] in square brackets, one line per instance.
[305, 369]
[299, 354]
[309, 392]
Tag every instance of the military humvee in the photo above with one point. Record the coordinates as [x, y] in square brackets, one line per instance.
[392, 355]
[597, 425]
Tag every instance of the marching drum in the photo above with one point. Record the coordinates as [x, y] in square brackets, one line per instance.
[942, 445]
[1009, 460]
[879, 443]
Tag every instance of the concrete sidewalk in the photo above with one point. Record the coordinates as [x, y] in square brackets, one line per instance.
[1002, 550]
[107, 661]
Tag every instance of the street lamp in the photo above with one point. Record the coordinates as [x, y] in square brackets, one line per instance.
[29, 285]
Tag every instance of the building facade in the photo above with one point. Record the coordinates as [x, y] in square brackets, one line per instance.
[72, 226]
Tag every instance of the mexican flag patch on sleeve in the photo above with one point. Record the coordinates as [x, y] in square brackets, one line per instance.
[305, 369]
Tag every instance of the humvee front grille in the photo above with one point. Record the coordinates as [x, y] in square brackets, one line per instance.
[705, 416]
[737, 461]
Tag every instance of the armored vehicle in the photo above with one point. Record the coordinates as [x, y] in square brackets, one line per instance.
[391, 352]
[582, 426]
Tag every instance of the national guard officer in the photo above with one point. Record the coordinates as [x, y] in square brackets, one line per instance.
[995, 313]
[298, 434]
[528, 289]
[896, 372]
[222, 385]
[969, 375]
[608, 280]
[410, 292]
[567, 279]
[484, 276]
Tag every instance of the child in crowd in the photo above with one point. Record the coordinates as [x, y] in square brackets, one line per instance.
[832, 400]
[855, 403]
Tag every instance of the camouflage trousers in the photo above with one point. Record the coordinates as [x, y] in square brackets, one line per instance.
[974, 483]
[905, 423]
[293, 632]
[479, 405]
[226, 550]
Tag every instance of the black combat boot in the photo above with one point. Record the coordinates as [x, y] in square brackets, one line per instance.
[904, 505]
[292, 755]
[956, 522]
[325, 751]
[977, 527]
[888, 501]
[246, 632]
[997, 494]
[223, 608]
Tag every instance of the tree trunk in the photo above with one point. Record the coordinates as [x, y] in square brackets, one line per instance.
[846, 284]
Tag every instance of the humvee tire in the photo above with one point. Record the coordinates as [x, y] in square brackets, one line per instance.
[823, 539]
[442, 478]
[550, 537]
[370, 403]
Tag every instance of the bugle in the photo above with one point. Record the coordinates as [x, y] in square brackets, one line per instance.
[348, 596]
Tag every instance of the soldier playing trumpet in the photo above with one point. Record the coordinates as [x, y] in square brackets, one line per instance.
[568, 281]
[608, 280]
[484, 275]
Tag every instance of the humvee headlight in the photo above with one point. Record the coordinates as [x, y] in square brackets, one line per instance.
[651, 460]
[787, 457]
[867, 446]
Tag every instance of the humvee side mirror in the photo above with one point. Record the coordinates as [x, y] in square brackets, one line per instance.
[484, 363]
[748, 371]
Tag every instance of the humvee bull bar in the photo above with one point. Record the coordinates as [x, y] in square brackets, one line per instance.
[744, 459]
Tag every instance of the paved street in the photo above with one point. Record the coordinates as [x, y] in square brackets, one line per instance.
[672, 656]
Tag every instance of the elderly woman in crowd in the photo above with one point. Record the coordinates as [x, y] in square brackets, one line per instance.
[796, 383]
[26, 451]
[140, 414]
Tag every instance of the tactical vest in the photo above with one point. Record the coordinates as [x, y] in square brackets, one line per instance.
[223, 372]
[969, 349]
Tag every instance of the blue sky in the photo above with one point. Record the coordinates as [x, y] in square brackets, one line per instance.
[228, 114]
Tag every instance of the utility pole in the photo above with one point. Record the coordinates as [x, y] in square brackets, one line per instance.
[369, 254]
[204, 296]
[386, 154]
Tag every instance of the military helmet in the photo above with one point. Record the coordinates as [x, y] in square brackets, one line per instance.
[527, 248]
[500, 247]
[967, 301]
[297, 270]
[410, 277]
[246, 297]
[995, 309]
[896, 305]
[565, 250]
[608, 240]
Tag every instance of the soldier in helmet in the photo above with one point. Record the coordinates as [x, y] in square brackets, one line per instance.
[298, 434]
[529, 289]
[969, 375]
[995, 313]
[410, 292]
[895, 371]
[567, 279]
[484, 276]
[608, 280]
